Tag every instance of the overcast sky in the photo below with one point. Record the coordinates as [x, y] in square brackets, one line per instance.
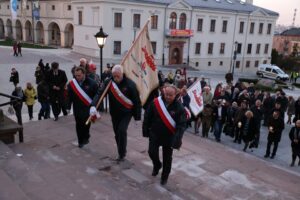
[285, 8]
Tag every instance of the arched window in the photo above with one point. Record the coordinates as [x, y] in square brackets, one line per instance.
[182, 21]
[173, 20]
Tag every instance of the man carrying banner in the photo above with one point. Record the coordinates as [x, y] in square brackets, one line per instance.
[164, 124]
[124, 102]
[81, 90]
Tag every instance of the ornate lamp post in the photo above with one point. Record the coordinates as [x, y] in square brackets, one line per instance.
[101, 38]
[234, 56]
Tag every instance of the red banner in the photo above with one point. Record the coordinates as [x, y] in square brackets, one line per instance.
[181, 33]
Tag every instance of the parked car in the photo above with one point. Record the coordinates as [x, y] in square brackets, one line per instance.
[271, 71]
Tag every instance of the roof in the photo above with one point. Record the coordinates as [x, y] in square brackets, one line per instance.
[225, 5]
[292, 31]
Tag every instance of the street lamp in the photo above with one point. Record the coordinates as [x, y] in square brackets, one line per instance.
[234, 56]
[101, 38]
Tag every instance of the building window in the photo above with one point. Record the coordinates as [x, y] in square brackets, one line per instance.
[198, 48]
[224, 27]
[136, 20]
[197, 64]
[241, 27]
[256, 63]
[239, 48]
[247, 63]
[80, 17]
[27, 7]
[210, 48]
[257, 48]
[212, 25]
[222, 48]
[221, 63]
[209, 63]
[117, 47]
[173, 20]
[17, 7]
[53, 7]
[7, 6]
[266, 48]
[237, 64]
[118, 20]
[200, 24]
[249, 49]
[261, 27]
[182, 21]
[265, 62]
[153, 47]
[269, 29]
[252, 27]
[154, 21]
[69, 7]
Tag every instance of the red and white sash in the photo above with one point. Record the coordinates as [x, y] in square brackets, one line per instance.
[187, 113]
[165, 115]
[126, 102]
[80, 93]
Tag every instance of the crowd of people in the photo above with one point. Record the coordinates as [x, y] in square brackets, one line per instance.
[237, 109]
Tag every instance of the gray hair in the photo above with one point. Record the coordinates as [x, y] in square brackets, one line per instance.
[118, 68]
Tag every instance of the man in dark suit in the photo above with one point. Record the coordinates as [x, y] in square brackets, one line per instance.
[219, 118]
[57, 80]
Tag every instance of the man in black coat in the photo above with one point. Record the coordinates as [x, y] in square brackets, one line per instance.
[43, 98]
[295, 142]
[124, 103]
[81, 91]
[164, 124]
[57, 80]
[219, 118]
[258, 112]
[276, 126]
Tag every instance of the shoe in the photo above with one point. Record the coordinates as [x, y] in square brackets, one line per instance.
[120, 159]
[266, 156]
[163, 181]
[86, 142]
[156, 170]
[292, 164]
[272, 157]
[55, 118]
[299, 163]
[80, 145]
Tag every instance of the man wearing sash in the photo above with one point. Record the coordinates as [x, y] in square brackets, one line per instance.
[81, 90]
[164, 124]
[124, 103]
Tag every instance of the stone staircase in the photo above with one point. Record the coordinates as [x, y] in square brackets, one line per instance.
[49, 166]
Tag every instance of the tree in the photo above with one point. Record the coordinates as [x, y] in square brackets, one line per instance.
[275, 57]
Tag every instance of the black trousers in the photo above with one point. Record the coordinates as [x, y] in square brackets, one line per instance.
[58, 104]
[167, 151]
[30, 111]
[82, 130]
[120, 126]
[270, 142]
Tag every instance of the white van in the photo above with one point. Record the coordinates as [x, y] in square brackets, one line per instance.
[271, 71]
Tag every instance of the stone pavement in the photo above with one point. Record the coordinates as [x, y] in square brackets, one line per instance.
[50, 166]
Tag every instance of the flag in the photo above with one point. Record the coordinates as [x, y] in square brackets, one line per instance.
[139, 64]
[195, 93]
[36, 9]
[13, 8]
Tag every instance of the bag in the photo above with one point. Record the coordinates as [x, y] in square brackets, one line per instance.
[11, 110]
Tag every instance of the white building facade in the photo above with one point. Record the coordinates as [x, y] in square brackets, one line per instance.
[200, 33]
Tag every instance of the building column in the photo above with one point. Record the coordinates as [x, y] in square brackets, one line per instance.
[62, 39]
[46, 37]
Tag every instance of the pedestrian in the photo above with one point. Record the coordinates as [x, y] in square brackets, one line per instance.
[247, 128]
[219, 118]
[15, 49]
[30, 96]
[238, 122]
[258, 112]
[18, 103]
[81, 91]
[206, 118]
[164, 124]
[19, 46]
[295, 142]
[290, 109]
[275, 126]
[124, 103]
[41, 64]
[297, 110]
[44, 99]
[93, 75]
[14, 77]
[39, 75]
[57, 80]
